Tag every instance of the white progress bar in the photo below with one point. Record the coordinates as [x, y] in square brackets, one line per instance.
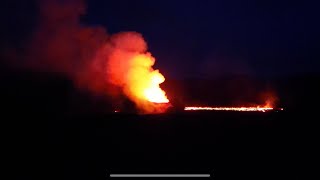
[159, 175]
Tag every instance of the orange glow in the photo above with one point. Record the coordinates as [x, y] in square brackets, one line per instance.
[260, 109]
[154, 93]
[141, 83]
[268, 106]
[145, 81]
[130, 67]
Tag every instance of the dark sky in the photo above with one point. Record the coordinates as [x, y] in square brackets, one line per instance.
[204, 38]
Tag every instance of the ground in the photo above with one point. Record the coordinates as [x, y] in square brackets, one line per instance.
[45, 140]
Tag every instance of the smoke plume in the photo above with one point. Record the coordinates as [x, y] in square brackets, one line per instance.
[92, 58]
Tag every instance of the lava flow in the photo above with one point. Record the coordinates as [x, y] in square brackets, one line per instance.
[259, 109]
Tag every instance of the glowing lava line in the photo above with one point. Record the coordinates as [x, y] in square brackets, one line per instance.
[259, 109]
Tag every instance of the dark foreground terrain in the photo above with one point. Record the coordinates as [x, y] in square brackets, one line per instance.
[50, 132]
[225, 144]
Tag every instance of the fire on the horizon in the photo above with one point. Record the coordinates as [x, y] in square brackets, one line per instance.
[267, 106]
[206, 108]
[130, 66]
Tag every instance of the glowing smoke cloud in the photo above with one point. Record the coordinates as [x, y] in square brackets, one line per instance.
[93, 59]
[130, 67]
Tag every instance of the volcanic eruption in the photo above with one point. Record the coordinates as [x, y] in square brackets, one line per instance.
[105, 64]
[130, 67]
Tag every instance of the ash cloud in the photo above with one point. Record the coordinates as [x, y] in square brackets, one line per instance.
[86, 55]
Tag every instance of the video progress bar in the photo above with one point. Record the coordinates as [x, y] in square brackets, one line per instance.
[159, 175]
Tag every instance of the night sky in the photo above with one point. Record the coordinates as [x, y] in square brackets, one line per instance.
[201, 38]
